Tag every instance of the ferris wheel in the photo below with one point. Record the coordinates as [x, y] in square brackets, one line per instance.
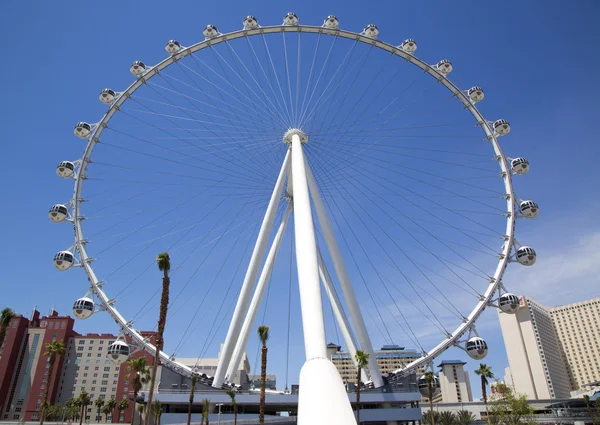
[401, 197]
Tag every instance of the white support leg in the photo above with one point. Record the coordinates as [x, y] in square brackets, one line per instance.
[342, 274]
[322, 399]
[250, 278]
[263, 281]
[339, 313]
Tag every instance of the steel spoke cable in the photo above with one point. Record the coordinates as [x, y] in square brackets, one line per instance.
[312, 66]
[287, 71]
[297, 82]
[268, 51]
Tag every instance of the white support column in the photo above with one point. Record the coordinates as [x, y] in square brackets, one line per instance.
[250, 278]
[339, 313]
[322, 399]
[263, 281]
[342, 274]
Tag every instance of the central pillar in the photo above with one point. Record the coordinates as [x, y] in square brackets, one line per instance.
[322, 399]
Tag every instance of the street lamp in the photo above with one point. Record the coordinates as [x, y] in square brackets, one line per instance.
[219, 417]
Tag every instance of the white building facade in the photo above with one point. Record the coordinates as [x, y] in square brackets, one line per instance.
[546, 346]
[455, 384]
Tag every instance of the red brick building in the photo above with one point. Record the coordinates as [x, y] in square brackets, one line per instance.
[24, 370]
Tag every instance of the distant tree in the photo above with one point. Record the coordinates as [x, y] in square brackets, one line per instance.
[464, 417]
[122, 406]
[485, 372]
[111, 404]
[157, 411]
[263, 335]
[99, 403]
[509, 409]
[205, 411]
[362, 359]
[231, 393]
[141, 375]
[5, 316]
[429, 416]
[84, 401]
[447, 418]
[54, 349]
[191, 401]
[430, 378]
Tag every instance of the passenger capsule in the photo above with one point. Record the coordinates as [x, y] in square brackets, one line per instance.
[290, 19]
[107, 96]
[331, 22]
[58, 213]
[118, 352]
[519, 165]
[172, 47]
[501, 127]
[82, 130]
[137, 68]
[371, 31]
[250, 23]
[444, 67]
[476, 94]
[63, 260]
[526, 256]
[477, 348]
[423, 386]
[529, 209]
[83, 308]
[65, 169]
[210, 31]
[508, 303]
[409, 45]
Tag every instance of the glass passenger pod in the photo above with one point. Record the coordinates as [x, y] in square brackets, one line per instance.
[509, 303]
[526, 256]
[477, 348]
[107, 96]
[58, 213]
[409, 45]
[444, 67]
[210, 31]
[65, 169]
[172, 47]
[83, 308]
[137, 68]
[501, 127]
[290, 19]
[63, 260]
[250, 22]
[371, 31]
[519, 165]
[331, 22]
[529, 209]
[82, 130]
[423, 386]
[476, 94]
[118, 352]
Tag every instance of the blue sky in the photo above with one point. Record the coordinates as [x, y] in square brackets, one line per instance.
[535, 60]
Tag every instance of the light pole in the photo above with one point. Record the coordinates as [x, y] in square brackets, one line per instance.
[219, 417]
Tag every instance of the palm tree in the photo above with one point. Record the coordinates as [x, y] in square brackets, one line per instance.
[54, 349]
[106, 410]
[231, 394]
[205, 410]
[84, 401]
[5, 315]
[192, 389]
[427, 418]
[141, 412]
[111, 404]
[72, 407]
[164, 265]
[122, 406]
[447, 418]
[485, 372]
[362, 359]
[141, 375]
[430, 378]
[76, 408]
[263, 335]
[464, 417]
[99, 403]
[157, 411]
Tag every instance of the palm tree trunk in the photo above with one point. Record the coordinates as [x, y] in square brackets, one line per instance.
[189, 416]
[134, 409]
[358, 395]
[162, 319]
[483, 393]
[235, 414]
[83, 408]
[430, 390]
[263, 378]
[45, 401]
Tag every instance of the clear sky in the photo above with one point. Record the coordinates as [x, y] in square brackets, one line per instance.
[537, 62]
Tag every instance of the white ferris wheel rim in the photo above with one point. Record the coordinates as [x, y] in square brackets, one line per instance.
[452, 339]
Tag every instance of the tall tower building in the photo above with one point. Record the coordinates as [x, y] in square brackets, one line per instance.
[552, 350]
[455, 385]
